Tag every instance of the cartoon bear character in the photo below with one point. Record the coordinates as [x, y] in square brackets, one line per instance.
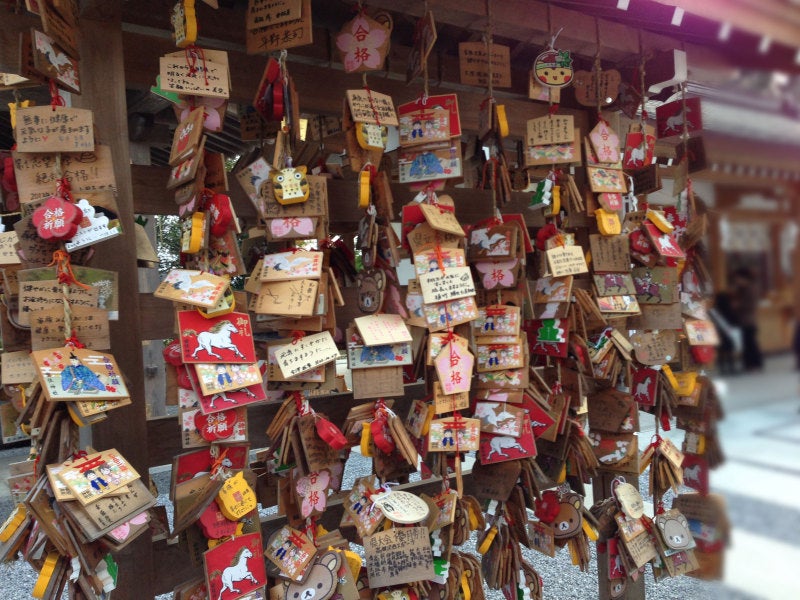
[371, 284]
[569, 520]
[674, 529]
[322, 579]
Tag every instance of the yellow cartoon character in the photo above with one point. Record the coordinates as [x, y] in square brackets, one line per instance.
[290, 185]
[553, 68]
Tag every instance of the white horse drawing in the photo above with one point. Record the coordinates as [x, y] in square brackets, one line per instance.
[225, 397]
[692, 474]
[666, 244]
[485, 412]
[677, 121]
[637, 154]
[499, 444]
[642, 389]
[237, 572]
[219, 336]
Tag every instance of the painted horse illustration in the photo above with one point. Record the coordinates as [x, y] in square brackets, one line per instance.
[237, 572]
[219, 336]
[498, 444]
[677, 121]
[614, 280]
[646, 285]
[643, 390]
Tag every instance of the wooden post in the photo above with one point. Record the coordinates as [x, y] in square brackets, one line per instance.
[601, 489]
[103, 87]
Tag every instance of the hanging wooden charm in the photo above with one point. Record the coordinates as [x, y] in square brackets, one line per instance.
[184, 23]
[553, 68]
[57, 219]
[363, 43]
[290, 185]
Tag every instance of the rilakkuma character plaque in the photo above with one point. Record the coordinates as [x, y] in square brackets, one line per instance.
[97, 475]
[79, 374]
[235, 568]
[224, 339]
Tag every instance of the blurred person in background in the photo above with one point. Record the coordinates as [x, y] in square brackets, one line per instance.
[744, 301]
[730, 335]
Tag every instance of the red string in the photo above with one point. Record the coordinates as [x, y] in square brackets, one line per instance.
[665, 425]
[73, 341]
[457, 424]
[192, 52]
[372, 105]
[300, 403]
[217, 464]
[296, 540]
[297, 335]
[439, 256]
[370, 168]
[55, 97]
[64, 272]
[64, 189]
[553, 109]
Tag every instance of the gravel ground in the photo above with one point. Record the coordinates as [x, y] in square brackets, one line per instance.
[562, 580]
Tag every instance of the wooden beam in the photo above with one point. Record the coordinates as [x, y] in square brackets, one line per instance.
[144, 49]
[601, 489]
[151, 197]
[779, 21]
[160, 321]
[103, 87]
